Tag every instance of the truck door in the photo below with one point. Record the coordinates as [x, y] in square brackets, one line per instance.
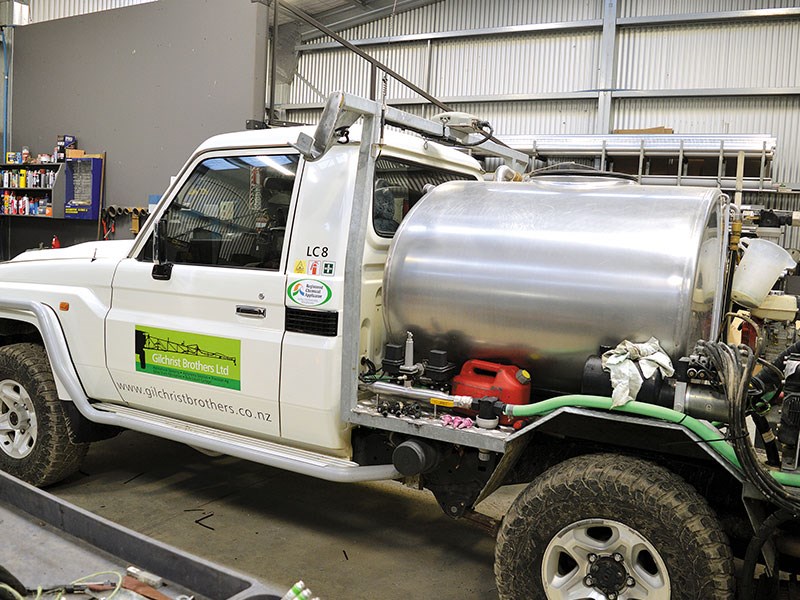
[205, 345]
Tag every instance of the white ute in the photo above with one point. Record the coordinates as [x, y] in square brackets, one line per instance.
[356, 303]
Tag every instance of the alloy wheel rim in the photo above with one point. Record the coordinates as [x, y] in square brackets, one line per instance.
[603, 559]
[18, 424]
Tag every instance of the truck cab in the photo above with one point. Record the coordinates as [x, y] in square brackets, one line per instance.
[244, 335]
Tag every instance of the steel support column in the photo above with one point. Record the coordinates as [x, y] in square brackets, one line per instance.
[607, 69]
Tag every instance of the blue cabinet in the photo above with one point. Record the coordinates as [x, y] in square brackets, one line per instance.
[84, 180]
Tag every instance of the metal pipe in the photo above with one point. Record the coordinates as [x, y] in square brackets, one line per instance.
[737, 197]
[5, 90]
[273, 61]
[328, 31]
[61, 363]
[421, 395]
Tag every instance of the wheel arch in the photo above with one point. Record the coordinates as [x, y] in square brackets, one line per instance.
[17, 327]
[569, 432]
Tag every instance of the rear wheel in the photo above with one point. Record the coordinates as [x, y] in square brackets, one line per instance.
[612, 527]
[35, 443]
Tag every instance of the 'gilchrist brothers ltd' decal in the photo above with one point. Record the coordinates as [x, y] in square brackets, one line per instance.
[192, 357]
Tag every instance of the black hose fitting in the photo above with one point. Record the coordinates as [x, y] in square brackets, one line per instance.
[489, 407]
[767, 377]
[768, 438]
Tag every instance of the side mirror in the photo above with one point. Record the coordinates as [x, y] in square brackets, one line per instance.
[162, 269]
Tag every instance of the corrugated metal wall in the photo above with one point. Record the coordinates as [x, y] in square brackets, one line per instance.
[47, 10]
[745, 55]
[731, 75]
[543, 117]
[642, 8]
[520, 64]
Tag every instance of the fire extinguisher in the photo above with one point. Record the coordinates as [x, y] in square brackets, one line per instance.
[55, 243]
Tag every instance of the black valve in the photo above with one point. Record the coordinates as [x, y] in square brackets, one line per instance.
[438, 369]
[490, 409]
[393, 359]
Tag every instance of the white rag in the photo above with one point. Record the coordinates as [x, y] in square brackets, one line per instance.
[626, 380]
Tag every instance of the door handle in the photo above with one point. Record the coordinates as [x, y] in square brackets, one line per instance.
[255, 312]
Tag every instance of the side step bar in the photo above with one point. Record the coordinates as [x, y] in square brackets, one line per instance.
[265, 453]
[260, 451]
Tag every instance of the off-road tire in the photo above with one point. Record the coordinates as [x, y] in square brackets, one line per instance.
[645, 497]
[54, 456]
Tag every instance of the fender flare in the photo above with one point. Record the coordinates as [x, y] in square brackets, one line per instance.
[43, 318]
[581, 424]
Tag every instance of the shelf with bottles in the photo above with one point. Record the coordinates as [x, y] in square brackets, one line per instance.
[32, 189]
[24, 176]
[25, 203]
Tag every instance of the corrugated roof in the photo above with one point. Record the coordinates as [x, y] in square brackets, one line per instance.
[336, 14]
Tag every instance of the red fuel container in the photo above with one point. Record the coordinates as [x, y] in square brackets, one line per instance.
[479, 378]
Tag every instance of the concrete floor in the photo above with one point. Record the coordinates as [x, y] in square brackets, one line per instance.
[378, 540]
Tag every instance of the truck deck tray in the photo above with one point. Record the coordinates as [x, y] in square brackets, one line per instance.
[49, 542]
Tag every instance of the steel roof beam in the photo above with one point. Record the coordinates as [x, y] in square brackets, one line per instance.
[345, 17]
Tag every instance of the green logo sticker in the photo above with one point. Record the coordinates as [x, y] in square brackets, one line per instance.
[192, 357]
[309, 292]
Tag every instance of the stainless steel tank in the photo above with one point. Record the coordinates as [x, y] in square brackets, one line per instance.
[543, 274]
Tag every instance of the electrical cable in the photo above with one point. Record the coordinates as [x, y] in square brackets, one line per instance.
[735, 368]
[768, 438]
[775, 370]
[14, 593]
[117, 587]
[748, 572]
[749, 321]
[770, 377]
[7, 578]
[483, 126]
[17, 591]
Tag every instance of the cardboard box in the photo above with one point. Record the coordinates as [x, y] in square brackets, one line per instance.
[648, 130]
[72, 153]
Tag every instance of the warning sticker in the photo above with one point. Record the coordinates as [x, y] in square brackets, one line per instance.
[205, 359]
[316, 268]
[309, 292]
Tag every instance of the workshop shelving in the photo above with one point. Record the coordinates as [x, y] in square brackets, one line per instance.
[32, 189]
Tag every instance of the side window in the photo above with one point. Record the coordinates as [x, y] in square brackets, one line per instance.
[231, 212]
[398, 186]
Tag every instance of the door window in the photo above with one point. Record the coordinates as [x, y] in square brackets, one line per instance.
[232, 212]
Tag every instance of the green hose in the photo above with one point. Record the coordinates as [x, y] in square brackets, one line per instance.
[705, 432]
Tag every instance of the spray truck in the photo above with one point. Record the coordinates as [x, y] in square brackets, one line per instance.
[358, 302]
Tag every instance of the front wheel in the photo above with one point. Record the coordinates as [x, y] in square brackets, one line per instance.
[35, 430]
[612, 527]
